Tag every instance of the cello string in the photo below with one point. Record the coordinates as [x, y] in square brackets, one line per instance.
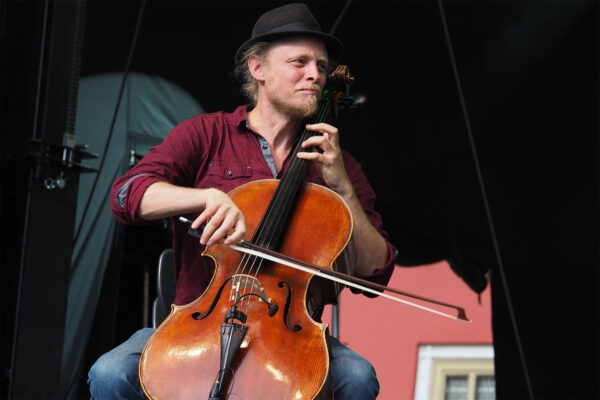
[297, 169]
[236, 279]
[262, 235]
[240, 272]
[247, 299]
[298, 166]
[486, 204]
[283, 196]
[281, 201]
[284, 193]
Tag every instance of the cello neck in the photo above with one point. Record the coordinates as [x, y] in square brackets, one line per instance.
[271, 227]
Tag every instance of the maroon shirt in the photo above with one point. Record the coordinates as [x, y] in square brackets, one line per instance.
[217, 151]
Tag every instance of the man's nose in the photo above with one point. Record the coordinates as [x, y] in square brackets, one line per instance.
[312, 72]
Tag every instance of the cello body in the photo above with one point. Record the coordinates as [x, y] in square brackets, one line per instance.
[283, 356]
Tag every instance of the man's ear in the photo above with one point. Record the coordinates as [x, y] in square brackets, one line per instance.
[256, 68]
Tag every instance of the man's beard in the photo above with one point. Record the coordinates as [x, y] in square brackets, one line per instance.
[302, 111]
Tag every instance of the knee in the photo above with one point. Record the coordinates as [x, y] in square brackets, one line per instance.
[104, 370]
[362, 374]
[354, 378]
[115, 374]
[103, 374]
[110, 377]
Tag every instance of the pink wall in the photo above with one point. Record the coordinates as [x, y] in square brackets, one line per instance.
[388, 333]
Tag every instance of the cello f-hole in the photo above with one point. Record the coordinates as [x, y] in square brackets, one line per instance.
[198, 316]
[286, 309]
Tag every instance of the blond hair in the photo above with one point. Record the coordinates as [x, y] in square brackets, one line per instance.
[249, 85]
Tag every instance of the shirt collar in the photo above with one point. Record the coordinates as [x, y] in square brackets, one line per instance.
[238, 118]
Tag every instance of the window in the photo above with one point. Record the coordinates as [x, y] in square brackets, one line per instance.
[463, 379]
[455, 372]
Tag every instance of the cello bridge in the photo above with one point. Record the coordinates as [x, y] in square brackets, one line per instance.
[243, 283]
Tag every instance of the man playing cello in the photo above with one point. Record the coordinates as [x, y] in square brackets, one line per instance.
[283, 71]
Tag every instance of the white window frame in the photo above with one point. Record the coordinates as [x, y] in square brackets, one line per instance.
[429, 353]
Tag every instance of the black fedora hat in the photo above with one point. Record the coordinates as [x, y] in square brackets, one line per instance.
[289, 20]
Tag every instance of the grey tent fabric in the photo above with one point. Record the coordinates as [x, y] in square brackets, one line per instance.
[149, 109]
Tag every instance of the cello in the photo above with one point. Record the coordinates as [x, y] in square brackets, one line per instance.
[251, 334]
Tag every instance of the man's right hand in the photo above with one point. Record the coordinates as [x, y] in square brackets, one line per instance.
[221, 217]
[217, 211]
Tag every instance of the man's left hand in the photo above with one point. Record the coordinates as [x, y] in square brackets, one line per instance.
[328, 159]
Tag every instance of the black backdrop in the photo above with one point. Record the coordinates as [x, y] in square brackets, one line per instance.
[529, 71]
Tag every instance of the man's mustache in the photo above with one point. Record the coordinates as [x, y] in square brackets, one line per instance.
[317, 88]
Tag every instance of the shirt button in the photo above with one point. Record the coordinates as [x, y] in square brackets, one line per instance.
[264, 147]
[229, 173]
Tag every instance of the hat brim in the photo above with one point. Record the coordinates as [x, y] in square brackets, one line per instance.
[333, 45]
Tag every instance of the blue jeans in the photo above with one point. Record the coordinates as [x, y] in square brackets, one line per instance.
[115, 374]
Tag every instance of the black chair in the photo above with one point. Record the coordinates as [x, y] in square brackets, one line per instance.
[165, 288]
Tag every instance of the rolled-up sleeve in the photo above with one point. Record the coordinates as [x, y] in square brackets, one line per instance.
[366, 197]
[174, 160]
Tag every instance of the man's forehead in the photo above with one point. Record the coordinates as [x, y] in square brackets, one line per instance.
[300, 44]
